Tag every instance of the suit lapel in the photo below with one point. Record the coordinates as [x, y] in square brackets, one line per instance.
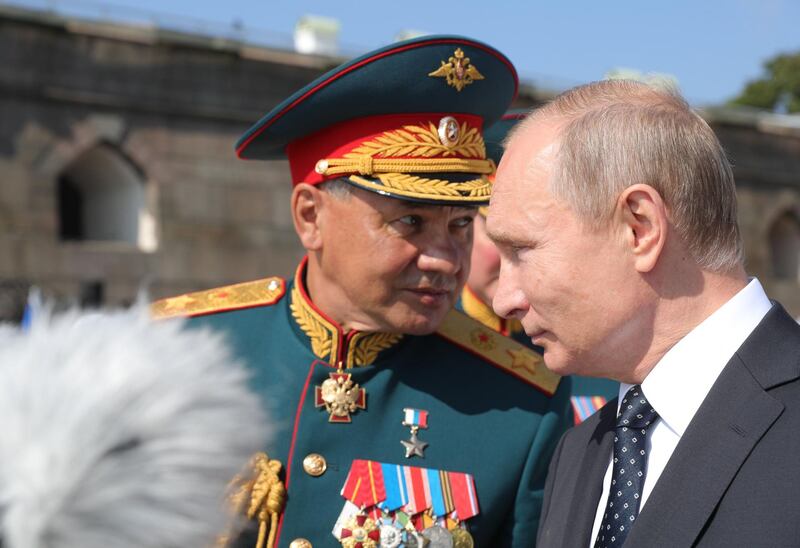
[589, 485]
[734, 416]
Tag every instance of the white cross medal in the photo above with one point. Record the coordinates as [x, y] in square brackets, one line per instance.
[415, 419]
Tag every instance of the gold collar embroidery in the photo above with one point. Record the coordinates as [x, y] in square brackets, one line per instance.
[478, 310]
[328, 342]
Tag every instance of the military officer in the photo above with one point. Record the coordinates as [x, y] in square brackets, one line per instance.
[401, 421]
[588, 393]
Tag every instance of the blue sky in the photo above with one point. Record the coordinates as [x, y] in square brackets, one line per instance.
[712, 46]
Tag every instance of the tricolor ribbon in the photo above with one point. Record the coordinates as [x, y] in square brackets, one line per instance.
[415, 417]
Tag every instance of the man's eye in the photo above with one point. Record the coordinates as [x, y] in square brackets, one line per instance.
[410, 220]
[517, 249]
[463, 222]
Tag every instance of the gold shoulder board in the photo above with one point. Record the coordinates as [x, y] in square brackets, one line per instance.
[499, 350]
[222, 299]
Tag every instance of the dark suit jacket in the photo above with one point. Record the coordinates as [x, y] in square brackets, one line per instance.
[734, 478]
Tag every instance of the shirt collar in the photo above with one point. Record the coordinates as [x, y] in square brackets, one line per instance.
[681, 380]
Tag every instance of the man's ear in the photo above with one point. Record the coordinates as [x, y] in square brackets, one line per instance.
[643, 214]
[307, 204]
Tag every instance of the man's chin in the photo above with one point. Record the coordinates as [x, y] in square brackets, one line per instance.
[413, 322]
[558, 363]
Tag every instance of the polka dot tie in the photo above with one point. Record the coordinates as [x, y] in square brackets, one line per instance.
[628, 470]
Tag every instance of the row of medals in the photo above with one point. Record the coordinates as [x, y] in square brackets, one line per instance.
[400, 532]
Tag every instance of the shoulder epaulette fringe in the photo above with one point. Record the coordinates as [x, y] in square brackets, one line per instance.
[499, 350]
[221, 299]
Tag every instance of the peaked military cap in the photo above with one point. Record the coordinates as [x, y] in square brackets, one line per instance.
[403, 121]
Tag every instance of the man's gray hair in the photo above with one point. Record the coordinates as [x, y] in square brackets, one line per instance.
[619, 133]
[338, 188]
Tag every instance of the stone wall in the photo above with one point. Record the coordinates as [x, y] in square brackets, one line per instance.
[172, 105]
[766, 163]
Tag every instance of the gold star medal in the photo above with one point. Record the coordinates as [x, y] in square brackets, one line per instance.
[415, 419]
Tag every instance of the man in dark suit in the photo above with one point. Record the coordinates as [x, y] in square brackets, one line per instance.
[614, 210]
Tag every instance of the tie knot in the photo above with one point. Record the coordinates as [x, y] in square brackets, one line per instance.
[635, 411]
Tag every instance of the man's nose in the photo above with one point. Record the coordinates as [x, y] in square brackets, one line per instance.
[444, 254]
[509, 300]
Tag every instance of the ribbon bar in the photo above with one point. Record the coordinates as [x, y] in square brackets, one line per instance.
[415, 490]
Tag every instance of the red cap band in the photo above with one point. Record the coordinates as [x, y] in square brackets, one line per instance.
[337, 140]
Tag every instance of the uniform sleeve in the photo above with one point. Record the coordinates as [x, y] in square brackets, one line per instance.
[523, 521]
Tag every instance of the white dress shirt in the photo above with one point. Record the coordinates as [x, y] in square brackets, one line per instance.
[681, 380]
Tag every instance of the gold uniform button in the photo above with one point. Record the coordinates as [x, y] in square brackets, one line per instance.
[300, 543]
[315, 465]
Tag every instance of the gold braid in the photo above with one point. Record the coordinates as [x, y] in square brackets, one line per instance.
[267, 496]
[367, 165]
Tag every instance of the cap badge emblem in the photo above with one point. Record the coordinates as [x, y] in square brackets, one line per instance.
[457, 71]
[448, 131]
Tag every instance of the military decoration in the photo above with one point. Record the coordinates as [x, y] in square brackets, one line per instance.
[340, 396]
[438, 537]
[360, 531]
[393, 535]
[458, 72]
[584, 407]
[415, 419]
[462, 538]
[405, 507]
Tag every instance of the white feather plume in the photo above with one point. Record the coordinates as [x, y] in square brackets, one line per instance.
[117, 431]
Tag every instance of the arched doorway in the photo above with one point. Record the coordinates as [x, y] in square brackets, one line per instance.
[102, 197]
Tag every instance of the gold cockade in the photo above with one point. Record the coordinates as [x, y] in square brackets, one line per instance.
[458, 71]
[419, 141]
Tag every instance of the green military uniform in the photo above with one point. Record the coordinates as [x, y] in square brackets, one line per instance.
[589, 394]
[493, 418]
[383, 434]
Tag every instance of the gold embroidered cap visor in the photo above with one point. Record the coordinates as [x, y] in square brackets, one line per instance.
[404, 121]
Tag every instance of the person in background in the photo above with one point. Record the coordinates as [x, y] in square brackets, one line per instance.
[403, 421]
[588, 393]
